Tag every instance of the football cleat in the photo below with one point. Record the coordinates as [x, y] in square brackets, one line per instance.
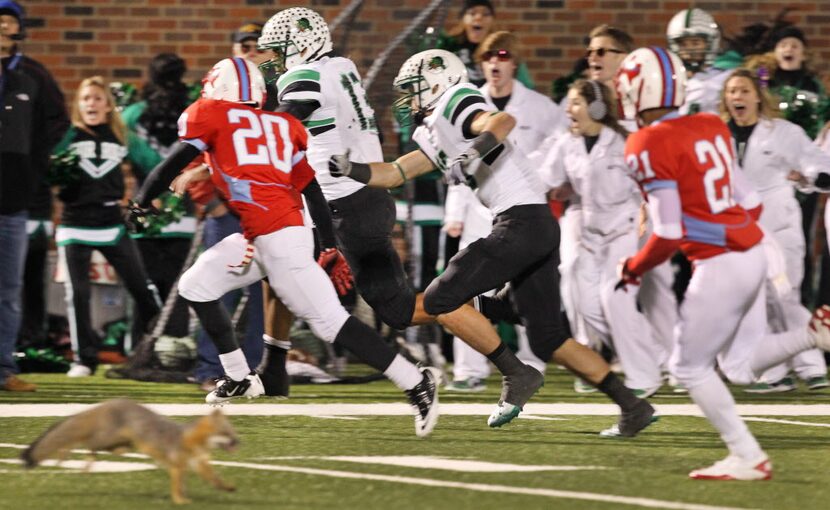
[781, 386]
[819, 328]
[424, 400]
[516, 390]
[817, 383]
[736, 468]
[633, 421]
[468, 385]
[583, 387]
[228, 389]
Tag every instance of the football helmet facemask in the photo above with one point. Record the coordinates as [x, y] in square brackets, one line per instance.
[422, 79]
[694, 23]
[296, 36]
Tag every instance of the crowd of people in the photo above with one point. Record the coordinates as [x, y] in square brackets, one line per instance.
[660, 217]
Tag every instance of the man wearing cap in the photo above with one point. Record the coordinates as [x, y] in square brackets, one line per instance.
[244, 43]
[32, 103]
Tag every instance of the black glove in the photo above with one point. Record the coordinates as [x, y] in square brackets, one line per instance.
[136, 217]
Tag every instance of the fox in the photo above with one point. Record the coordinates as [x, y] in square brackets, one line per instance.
[122, 425]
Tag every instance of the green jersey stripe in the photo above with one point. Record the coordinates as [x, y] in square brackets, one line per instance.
[317, 123]
[457, 97]
[303, 74]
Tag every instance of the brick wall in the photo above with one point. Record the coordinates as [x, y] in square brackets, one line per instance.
[116, 38]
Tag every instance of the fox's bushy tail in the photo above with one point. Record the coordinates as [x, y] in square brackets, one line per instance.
[58, 436]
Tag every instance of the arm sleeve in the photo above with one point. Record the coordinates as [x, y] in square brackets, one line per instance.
[164, 173]
[300, 111]
[664, 207]
[318, 208]
[804, 155]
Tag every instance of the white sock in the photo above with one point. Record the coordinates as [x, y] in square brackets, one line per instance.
[776, 348]
[235, 364]
[404, 374]
[282, 344]
[717, 404]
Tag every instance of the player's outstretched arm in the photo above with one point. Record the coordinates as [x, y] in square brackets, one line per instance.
[164, 173]
[382, 175]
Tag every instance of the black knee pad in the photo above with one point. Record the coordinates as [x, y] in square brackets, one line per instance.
[396, 310]
[545, 339]
[438, 300]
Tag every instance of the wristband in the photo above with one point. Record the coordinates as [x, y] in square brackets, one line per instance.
[400, 169]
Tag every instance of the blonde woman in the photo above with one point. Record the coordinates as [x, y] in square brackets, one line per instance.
[768, 149]
[92, 217]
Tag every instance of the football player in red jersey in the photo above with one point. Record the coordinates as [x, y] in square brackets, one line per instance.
[258, 162]
[701, 204]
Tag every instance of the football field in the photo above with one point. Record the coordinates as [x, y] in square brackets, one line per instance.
[353, 446]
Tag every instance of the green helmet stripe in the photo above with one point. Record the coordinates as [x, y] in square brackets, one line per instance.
[688, 22]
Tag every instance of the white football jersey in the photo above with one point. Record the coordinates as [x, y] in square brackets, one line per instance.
[343, 122]
[504, 178]
[703, 91]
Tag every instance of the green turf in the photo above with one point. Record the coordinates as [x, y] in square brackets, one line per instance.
[654, 465]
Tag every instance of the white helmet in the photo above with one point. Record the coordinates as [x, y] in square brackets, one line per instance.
[695, 23]
[426, 76]
[234, 79]
[297, 35]
[650, 78]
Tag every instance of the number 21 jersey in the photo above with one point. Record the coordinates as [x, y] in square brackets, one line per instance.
[694, 155]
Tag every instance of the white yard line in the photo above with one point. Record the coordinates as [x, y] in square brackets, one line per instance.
[788, 422]
[479, 487]
[332, 410]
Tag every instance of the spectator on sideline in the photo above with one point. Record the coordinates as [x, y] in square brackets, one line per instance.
[55, 123]
[20, 119]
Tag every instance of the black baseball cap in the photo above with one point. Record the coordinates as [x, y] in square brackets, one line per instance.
[250, 30]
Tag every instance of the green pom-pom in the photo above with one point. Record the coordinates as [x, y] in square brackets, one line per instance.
[63, 168]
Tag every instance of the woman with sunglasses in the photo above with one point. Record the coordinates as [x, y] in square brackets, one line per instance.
[537, 118]
[768, 148]
[589, 165]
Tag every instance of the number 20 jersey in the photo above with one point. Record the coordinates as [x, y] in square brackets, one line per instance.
[694, 154]
[257, 161]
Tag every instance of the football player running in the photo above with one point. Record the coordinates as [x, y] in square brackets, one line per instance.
[258, 161]
[325, 92]
[700, 202]
[456, 127]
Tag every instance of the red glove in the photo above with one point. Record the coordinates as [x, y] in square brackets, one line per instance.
[626, 276]
[337, 268]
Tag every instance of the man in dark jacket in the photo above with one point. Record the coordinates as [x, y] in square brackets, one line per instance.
[20, 116]
[39, 226]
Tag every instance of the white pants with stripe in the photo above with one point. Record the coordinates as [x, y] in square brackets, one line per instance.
[286, 258]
